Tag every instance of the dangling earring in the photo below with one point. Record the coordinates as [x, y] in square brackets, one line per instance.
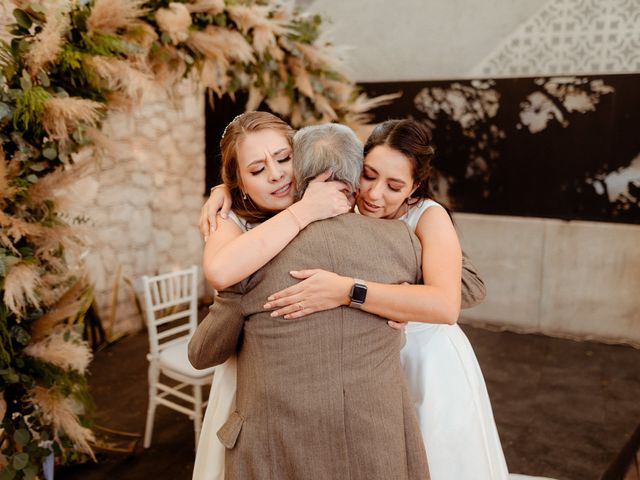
[244, 196]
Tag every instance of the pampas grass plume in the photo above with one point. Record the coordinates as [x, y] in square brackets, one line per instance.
[20, 287]
[280, 104]
[121, 75]
[255, 99]
[66, 306]
[63, 114]
[107, 16]
[175, 21]
[301, 77]
[214, 42]
[72, 354]
[62, 412]
[46, 45]
[212, 7]
[18, 228]
[7, 171]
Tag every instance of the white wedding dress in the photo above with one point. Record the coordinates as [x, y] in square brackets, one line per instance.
[209, 462]
[451, 398]
[445, 380]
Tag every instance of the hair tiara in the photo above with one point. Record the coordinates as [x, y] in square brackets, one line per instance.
[229, 124]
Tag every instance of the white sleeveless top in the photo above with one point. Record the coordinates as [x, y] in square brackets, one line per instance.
[412, 216]
[241, 222]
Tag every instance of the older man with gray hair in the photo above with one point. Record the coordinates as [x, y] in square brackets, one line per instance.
[323, 396]
[332, 147]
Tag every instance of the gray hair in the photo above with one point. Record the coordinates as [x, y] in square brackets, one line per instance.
[331, 146]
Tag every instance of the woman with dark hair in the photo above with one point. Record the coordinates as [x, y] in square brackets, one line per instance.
[445, 380]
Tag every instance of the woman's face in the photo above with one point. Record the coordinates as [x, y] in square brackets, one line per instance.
[386, 182]
[264, 162]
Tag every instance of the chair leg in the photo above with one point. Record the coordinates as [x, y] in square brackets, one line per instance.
[154, 375]
[197, 418]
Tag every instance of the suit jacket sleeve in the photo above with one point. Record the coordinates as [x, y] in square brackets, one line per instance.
[217, 336]
[473, 288]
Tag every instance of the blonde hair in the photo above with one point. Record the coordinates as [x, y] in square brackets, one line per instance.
[235, 132]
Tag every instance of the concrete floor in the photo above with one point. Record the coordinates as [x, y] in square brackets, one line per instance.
[564, 409]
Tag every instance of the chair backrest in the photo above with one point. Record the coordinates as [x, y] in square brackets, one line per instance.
[171, 307]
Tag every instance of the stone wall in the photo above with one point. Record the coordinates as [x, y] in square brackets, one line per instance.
[143, 199]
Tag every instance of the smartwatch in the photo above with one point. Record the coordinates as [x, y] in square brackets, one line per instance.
[358, 293]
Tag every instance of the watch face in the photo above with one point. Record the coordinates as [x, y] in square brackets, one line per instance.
[359, 293]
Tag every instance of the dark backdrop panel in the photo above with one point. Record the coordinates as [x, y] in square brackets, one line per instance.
[562, 148]
[218, 113]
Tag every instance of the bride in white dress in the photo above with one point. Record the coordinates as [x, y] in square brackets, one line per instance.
[450, 395]
[443, 374]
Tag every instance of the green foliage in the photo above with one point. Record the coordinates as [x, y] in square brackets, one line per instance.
[306, 30]
[6, 347]
[24, 140]
[71, 74]
[30, 106]
[23, 451]
[70, 59]
[107, 45]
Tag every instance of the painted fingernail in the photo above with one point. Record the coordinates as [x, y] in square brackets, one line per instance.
[274, 314]
[287, 317]
[271, 298]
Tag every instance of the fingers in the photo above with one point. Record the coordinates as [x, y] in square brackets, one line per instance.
[282, 295]
[323, 177]
[213, 224]
[203, 224]
[395, 325]
[204, 229]
[299, 313]
[292, 308]
[225, 208]
[208, 221]
[302, 274]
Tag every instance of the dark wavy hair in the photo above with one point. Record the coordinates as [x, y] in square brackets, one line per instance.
[413, 139]
[235, 132]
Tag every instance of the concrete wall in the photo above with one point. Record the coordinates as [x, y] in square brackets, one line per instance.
[571, 279]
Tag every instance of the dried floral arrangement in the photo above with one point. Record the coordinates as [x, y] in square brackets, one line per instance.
[68, 63]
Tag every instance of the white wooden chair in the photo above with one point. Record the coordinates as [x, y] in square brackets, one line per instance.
[171, 308]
